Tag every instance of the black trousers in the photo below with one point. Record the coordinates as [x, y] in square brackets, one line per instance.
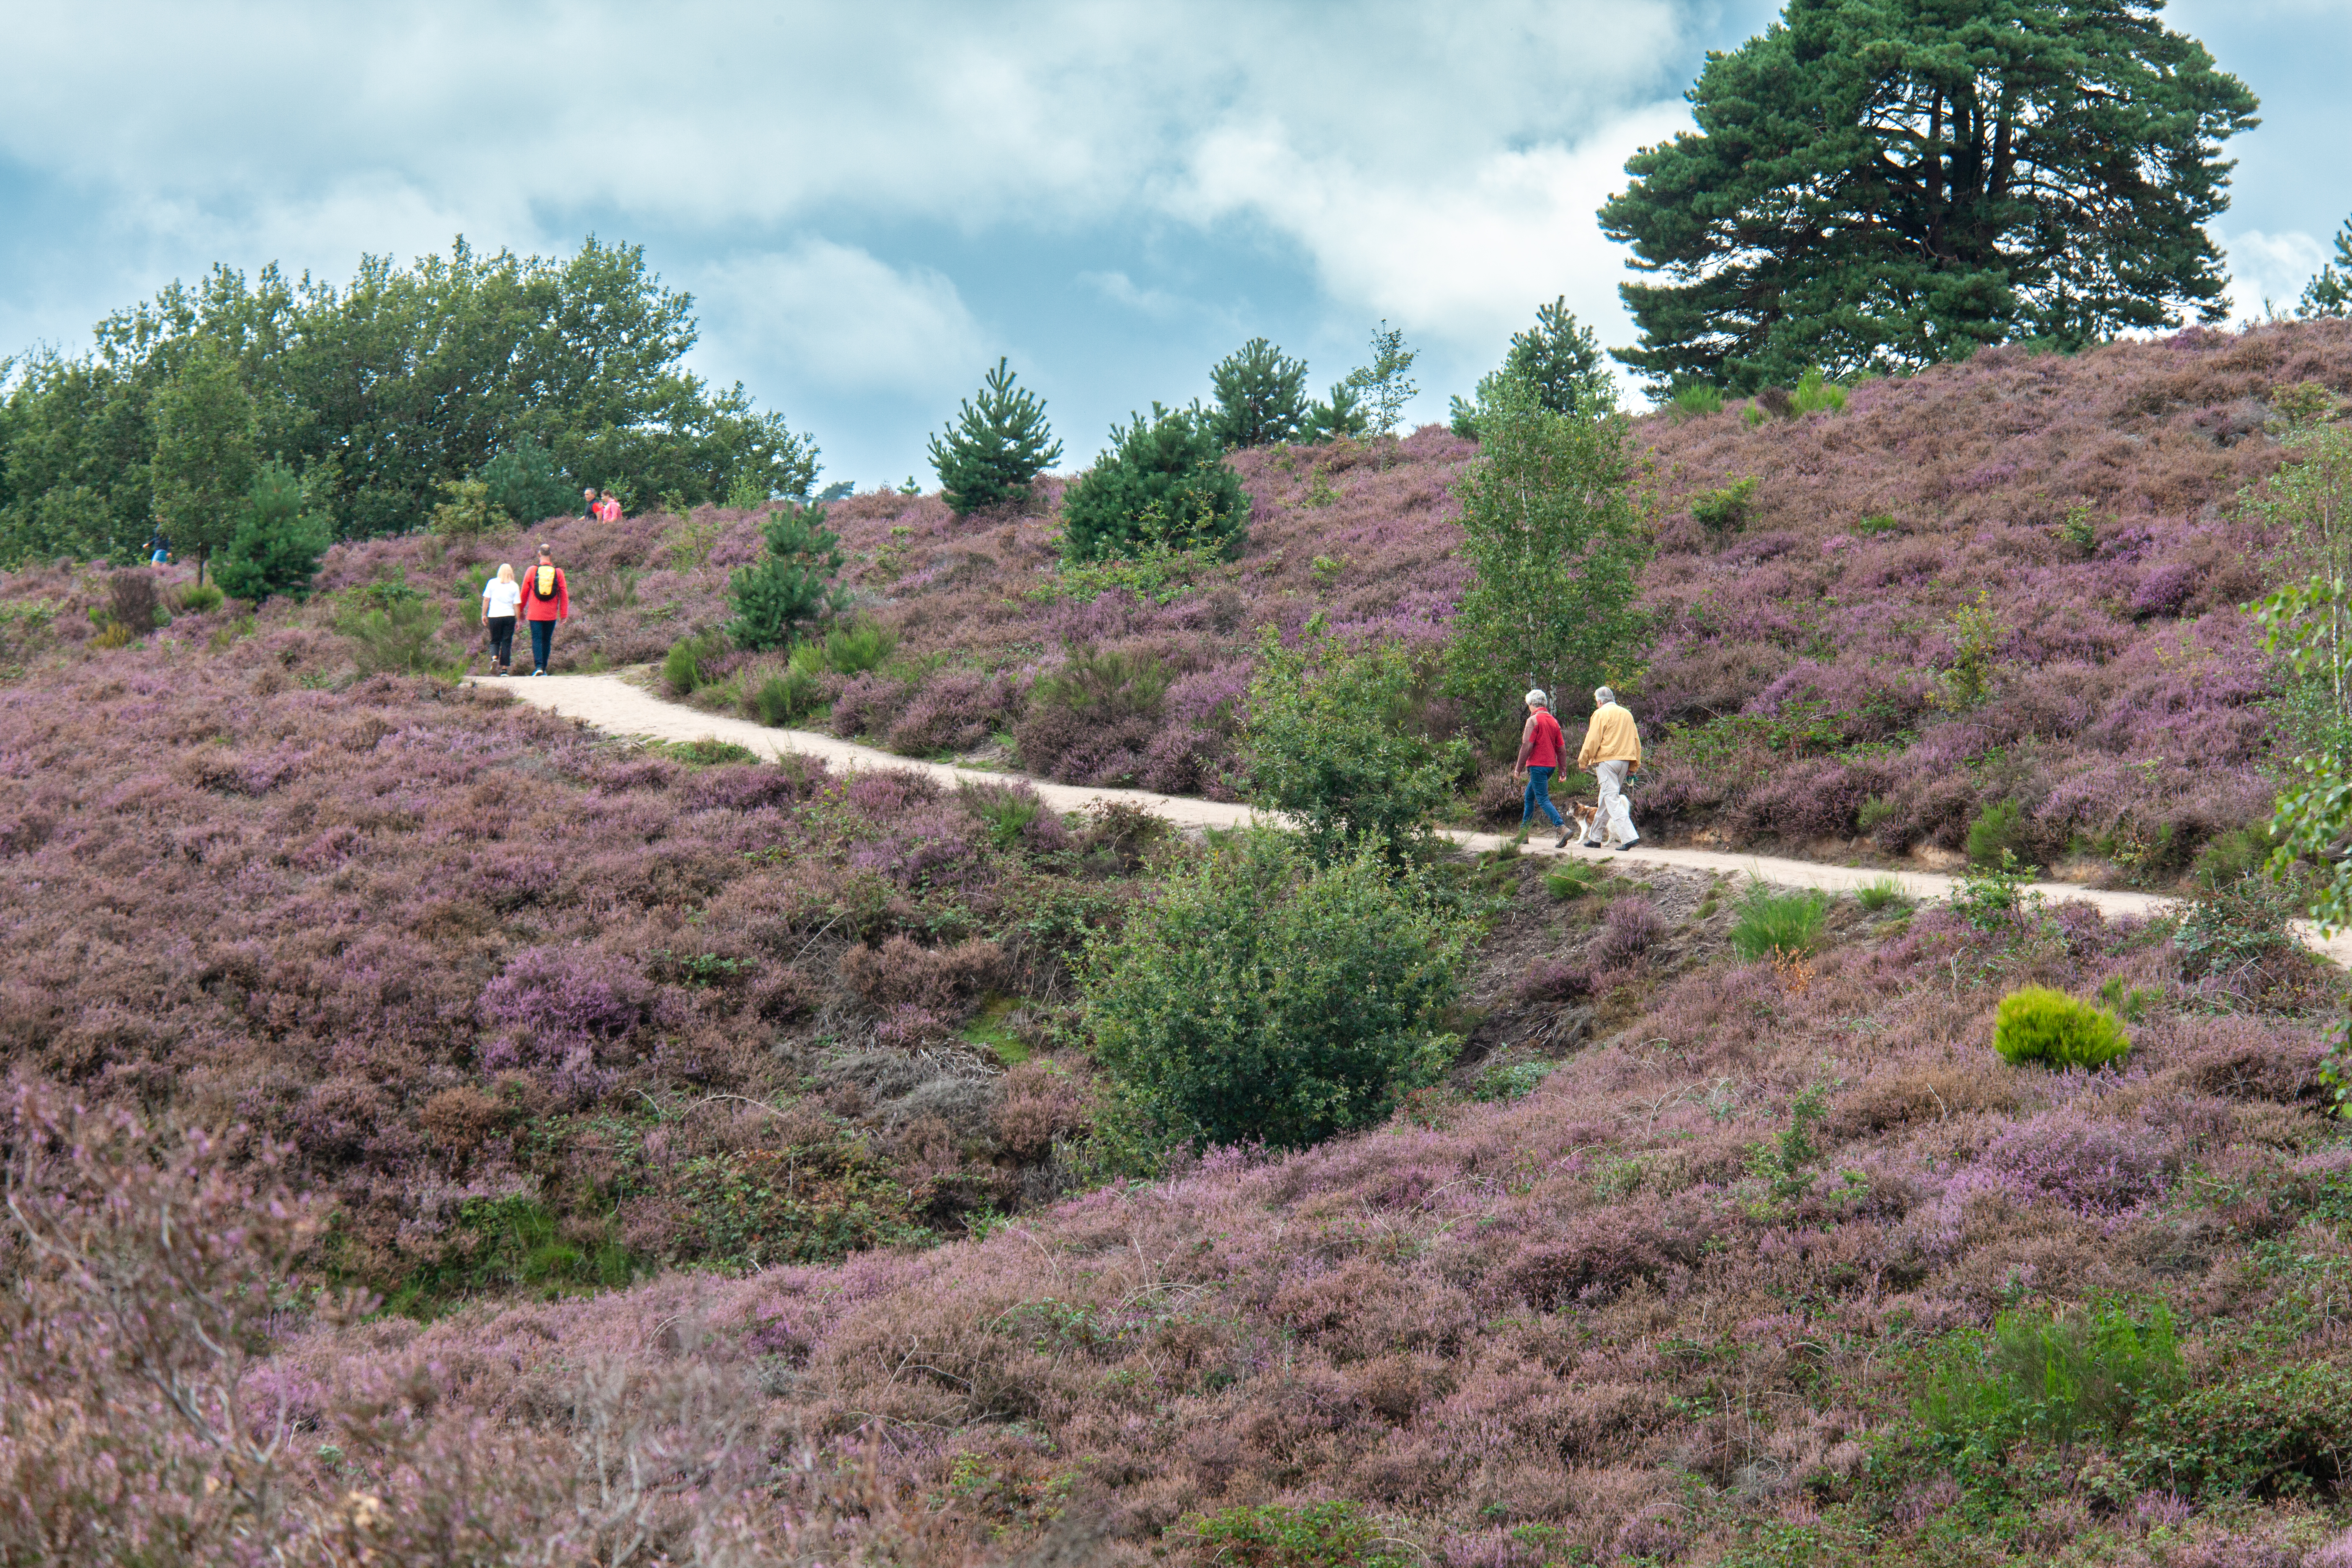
[501, 639]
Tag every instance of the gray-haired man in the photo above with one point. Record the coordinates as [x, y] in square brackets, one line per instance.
[1612, 750]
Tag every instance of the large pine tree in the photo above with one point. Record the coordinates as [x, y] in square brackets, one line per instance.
[1883, 183]
[992, 453]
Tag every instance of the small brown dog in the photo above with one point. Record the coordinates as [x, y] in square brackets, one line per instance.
[1581, 821]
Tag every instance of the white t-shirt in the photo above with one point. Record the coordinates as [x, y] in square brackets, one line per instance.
[501, 598]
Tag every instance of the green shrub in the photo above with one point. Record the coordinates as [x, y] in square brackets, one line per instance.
[2284, 1431]
[1255, 995]
[2036, 1024]
[790, 588]
[1510, 1081]
[1005, 812]
[1874, 813]
[1814, 394]
[396, 639]
[1333, 746]
[1103, 687]
[682, 669]
[2128, 1003]
[1770, 923]
[1698, 398]
[2233, 925]
[199, 598]
[1165, 480]
[1880, 893]
[1726, 510]
[1310, 1535]
[278, 543]
[2001, 826]
[1877, 525]
[2060, 1379]
[1752, 416]
[2228, 857]
[709, 752]
[1994, 898]
[467, 513]
[781, 699]
[854, 650]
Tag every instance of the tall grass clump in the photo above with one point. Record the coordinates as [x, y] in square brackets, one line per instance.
[2036, 1024]
[1257, 995]
[1880, 893]
[1697, 398]
[1773, 922]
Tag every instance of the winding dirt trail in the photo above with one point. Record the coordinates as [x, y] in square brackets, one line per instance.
[618, 706]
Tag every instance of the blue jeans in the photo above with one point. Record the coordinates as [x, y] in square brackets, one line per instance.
[542, 643]
[1539, 795]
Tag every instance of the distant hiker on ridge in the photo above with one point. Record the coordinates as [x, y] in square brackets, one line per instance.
[501, 595]
[1612, 749]
[545, 600]
[609, 509]
[590, 508]
[1541, 748]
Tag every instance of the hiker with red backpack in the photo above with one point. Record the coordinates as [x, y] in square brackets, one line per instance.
[545, 600]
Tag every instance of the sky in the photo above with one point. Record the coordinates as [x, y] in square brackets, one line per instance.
[872, 203]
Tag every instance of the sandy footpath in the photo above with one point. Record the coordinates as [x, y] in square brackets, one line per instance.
[619, 707]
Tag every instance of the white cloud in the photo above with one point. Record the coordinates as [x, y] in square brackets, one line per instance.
[1467, 258]
[834, 317]
[2268, 269]
[1120, 290]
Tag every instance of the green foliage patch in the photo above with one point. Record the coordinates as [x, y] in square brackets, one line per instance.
[2036, 1024]
[1772, 923]
[1334, 747]
[1259, 996]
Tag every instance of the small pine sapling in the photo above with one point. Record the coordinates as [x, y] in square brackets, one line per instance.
[993, 450]
[790, 587]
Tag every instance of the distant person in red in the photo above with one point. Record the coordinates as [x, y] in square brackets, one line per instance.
[545, 600]
[1542, 748]
[609, 509]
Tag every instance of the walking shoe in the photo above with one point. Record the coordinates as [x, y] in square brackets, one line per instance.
[1627, 845]
[1561, 842]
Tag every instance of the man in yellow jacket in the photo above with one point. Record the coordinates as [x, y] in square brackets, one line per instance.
[1612, 749]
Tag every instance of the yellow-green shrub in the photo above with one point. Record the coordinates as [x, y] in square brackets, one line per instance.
[2038, 1025]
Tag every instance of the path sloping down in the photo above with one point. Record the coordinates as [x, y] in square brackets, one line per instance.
[620, 707]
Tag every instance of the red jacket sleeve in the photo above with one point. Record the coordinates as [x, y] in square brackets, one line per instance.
[562, 597]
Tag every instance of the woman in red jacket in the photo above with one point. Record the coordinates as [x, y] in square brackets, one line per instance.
[545, 600]
[1542, 749]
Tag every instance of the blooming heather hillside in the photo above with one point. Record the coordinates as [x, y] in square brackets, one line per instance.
[1679, 1304]
[528, 1003]
[1803, 656]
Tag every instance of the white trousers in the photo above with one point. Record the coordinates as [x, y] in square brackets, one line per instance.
[1614, 820]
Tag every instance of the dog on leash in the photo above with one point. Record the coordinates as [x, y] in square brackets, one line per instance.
[1582, 820]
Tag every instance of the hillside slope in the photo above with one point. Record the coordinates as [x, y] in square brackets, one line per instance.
[1800, 663]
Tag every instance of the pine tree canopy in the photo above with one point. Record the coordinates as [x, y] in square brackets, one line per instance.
[991, 452]
[1261, 397]
[1877, 184]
